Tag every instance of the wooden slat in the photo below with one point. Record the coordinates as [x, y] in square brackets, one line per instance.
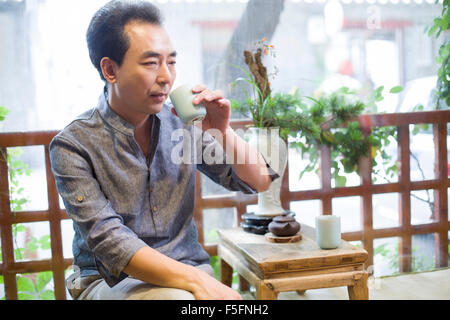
[387, 232]
[198, 210]
[211, 249]
[227, 202]
[325, 179]
[352, 236]
[55, 231]
[426, 184]
[37, 216]
[19, 139]
[365, 173]
[285, 195]
[405, 199]
[440, 193]
[33, 266]
[402, 119]
[6, 229]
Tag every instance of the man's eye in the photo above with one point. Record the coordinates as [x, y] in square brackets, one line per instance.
[149, 63]
[173, 63]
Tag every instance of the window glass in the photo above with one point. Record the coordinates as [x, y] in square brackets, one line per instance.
[320, 46]
[47, 79]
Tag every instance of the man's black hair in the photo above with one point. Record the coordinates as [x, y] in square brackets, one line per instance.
[105, 35]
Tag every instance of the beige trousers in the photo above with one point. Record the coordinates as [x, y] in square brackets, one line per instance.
[134, 289]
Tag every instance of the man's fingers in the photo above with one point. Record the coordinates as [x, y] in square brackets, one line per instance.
[208, 96]
[198, 88]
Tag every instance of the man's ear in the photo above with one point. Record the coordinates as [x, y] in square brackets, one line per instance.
[109, 69]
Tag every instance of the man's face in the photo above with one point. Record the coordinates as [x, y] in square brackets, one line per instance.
[147, 72]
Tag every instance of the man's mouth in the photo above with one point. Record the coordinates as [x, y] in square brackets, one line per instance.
[160, 96]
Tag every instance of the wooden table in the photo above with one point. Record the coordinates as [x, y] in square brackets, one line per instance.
[276, 267]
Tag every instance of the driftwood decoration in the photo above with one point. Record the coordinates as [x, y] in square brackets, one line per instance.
[260, 19]
[258, 71]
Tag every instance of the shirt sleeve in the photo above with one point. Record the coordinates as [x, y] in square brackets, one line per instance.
[102, 229]
[214, 165]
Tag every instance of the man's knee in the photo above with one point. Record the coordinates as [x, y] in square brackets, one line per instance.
[166, 294]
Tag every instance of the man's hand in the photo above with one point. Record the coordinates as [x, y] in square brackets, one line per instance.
[218, 109]
[206, 287]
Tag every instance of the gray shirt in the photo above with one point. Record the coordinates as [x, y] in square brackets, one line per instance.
[119, 201]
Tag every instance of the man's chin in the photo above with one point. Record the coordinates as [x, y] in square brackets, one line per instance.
[159, 107]
[155, 108]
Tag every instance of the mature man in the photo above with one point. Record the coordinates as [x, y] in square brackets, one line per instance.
[131, 205]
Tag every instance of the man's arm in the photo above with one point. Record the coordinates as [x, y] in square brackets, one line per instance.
[216, 122]
[153, 267]
[248, 162]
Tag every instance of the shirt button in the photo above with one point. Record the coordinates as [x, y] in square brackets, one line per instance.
[80, 199]
[155, 208]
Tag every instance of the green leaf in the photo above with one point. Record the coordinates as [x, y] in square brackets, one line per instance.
[43, 279]
[444, 24]
[45, 242]
[21, 228]
[418, 107]
[47, 295]
[432, 30]
[32, 245]
[396, 89]
[25, 284]
[3, 112]
[328, 136]
[25, 296]
[379, 90]
[21, 201]
[340, 181]
[19, 253]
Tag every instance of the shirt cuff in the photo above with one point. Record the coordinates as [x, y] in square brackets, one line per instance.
[113, 271]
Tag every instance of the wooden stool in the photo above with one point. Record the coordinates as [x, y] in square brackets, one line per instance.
[273, 267]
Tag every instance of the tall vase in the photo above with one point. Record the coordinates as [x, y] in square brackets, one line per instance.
[274, 150]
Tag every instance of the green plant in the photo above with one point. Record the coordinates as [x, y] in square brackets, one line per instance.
[329, 121]
[313, 121]
[34, 286]
[259, 99]
[441, 24]
[16, 168]
[29, 286]
[3, 112]
[442, 93]
[392, 255]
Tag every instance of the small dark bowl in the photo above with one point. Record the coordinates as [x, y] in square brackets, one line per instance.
[254, 229]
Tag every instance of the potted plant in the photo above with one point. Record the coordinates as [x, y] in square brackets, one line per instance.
[264, 108]
[325, 119]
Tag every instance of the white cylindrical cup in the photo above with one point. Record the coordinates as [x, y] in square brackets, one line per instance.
[328, 231]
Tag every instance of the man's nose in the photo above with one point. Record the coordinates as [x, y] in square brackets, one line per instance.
[164, 74]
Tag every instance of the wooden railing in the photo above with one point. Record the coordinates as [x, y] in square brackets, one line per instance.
[9, 268]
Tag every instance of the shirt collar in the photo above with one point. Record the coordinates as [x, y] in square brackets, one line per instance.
[112, 118]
